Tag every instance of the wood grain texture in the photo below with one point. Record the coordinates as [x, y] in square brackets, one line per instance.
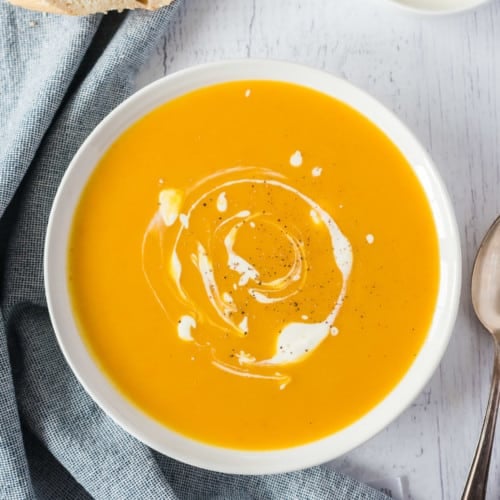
[441, 76]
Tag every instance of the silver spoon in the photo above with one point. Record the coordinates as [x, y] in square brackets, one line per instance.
[486, 302]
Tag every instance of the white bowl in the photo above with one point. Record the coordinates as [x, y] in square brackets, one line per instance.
[144, 427]
[437, 7]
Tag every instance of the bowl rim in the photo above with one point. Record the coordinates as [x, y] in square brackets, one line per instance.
[438, 12]
[124, 412]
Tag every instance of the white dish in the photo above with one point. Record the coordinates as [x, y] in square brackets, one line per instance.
[438, 7]
[145, 428]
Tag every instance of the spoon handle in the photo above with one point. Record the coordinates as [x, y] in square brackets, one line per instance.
[475, 488]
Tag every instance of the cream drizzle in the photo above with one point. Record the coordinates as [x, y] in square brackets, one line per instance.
[170, 203]
[278, 377]
[234, 261]
[296, 339]
[296, 159]
[186, 323]
[184, 220]
[222, 202]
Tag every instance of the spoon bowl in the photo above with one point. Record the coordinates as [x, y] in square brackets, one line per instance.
[485, 286]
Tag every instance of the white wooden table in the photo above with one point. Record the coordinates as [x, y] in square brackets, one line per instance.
[442, 77]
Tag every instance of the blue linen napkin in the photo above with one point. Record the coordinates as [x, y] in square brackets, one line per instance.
[59, 76]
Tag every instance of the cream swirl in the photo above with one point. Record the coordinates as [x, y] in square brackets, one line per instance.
[238, 247]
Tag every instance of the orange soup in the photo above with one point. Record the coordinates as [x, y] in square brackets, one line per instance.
[254, 265]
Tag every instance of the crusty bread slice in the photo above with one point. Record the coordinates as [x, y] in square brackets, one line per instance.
[85, 7]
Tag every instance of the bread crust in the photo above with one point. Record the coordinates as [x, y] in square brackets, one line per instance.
[86, 7]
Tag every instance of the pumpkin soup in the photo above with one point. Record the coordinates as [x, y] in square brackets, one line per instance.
[254, 264]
